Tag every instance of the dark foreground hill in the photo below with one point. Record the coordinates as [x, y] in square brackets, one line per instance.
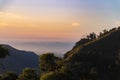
[18, 60]
[107, 46]
[97, 59]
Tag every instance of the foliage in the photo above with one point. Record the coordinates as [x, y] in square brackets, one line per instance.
[9, 76]
[1, 77]
[49, 62]
[28, 74]
[3, 52]
[54, 76]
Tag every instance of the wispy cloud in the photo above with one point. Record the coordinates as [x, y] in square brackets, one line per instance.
[75, 24]
[7, 18]
[10, 15]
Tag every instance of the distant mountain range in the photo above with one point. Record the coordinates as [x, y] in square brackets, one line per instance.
[18, 60]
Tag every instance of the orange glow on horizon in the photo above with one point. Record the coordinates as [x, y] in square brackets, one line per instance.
[18, 26]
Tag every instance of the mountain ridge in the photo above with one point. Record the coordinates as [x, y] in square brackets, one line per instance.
[19, 59]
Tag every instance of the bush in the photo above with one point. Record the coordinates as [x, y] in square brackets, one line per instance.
[28, 74]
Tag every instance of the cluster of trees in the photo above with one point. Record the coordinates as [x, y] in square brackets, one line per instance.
[93, 36]
[27, 74]
[51, 68]
[49, 64]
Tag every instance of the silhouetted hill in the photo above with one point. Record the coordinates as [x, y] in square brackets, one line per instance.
[109, 43]
[100, 56]
[18, 60]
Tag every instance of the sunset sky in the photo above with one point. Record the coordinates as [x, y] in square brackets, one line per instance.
[56, 19]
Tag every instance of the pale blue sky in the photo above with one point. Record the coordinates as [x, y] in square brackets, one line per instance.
[109, 9]
[112, 6]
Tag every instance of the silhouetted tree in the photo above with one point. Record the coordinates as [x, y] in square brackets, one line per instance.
[92, 36]
[105, 31]
[100, 35]
[3, 54]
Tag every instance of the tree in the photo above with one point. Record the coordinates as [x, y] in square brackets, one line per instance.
[1, 77]
[100, 35]
[48, 62]
[28, 74]
[55, 76]
[3, 54]
[92, 36]
[10, 76]
[105, 31]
